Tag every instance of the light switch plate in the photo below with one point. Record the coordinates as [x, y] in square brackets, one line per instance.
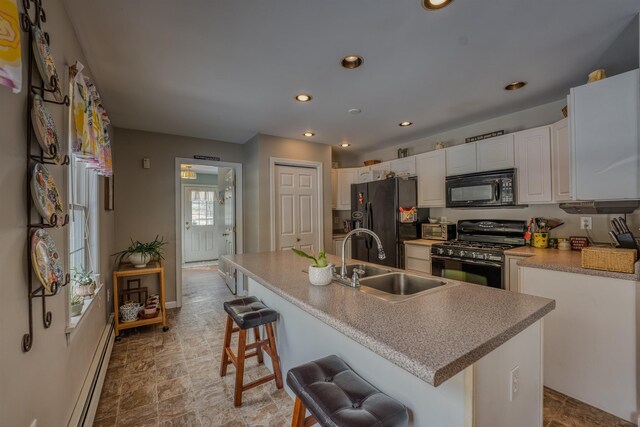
[146, 163]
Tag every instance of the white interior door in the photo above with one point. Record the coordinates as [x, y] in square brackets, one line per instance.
[199, 206]
[296, 195]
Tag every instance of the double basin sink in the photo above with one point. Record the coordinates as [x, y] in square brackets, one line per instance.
[390, 285]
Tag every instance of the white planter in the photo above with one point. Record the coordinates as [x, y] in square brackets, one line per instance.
[86, 291]
[76, 310]
[321, 276]
[139, 260]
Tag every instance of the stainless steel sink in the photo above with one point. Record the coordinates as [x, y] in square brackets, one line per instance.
[398, 286]
[369, 270]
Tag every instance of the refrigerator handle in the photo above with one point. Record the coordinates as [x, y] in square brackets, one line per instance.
[369, 225]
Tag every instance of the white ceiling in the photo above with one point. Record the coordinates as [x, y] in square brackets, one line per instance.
[229, 69]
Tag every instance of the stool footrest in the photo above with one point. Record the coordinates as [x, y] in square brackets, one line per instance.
[258, 382]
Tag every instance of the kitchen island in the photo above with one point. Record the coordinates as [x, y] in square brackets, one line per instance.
[450, 355]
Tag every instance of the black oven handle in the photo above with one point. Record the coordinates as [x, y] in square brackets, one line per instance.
[469, 261]
[496, 191]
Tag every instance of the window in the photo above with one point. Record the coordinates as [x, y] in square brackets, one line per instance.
[83, 219]
[203, 207]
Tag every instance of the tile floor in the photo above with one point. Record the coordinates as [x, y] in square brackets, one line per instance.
[171, 379]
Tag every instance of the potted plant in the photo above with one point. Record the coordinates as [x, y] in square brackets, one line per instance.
[139, 254]
[77, 302]
[320, 271]
[85, 286]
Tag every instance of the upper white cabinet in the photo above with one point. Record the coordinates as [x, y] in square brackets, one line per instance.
[405, 166]
[533, 163]
[345, 177]
[431, 173]
[560, 161]
[334, 188]
[496, 153]
[363, 174]
[461, 159]
[603, 120]
[384, 167]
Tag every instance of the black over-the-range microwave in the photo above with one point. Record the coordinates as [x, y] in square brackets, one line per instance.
[482, 190]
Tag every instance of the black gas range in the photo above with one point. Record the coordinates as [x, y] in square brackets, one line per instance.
[477, 256]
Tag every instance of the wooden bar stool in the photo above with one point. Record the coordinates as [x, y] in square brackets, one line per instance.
[337, 396]
[249, 313]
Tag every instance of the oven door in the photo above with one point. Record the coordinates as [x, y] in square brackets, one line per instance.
[484, 273]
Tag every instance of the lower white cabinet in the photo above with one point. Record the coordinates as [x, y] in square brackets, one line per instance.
[417, 257]
[431, 171]
[337, 247]
[511, 272]
[533, 163]
[560, 161]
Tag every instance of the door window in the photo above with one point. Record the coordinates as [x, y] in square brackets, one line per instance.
[203, 207]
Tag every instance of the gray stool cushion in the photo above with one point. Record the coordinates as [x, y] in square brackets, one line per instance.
[337, 396]
[249, 312]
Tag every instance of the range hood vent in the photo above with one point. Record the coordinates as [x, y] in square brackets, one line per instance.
[600, 207]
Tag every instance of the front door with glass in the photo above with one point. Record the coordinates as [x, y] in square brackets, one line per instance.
[200, 242]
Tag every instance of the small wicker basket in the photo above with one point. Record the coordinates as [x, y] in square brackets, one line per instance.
[609, 259]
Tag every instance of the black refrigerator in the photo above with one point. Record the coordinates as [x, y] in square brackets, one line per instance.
[376, 205]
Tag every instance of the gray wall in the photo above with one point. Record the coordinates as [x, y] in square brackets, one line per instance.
[44, 383]
[257, 184]
[145, 198]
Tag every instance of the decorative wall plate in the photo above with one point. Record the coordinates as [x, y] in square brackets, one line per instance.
[45, 63]
[45, 195]
[45, 128]
[46, 259]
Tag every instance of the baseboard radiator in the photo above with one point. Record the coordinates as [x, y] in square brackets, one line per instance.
[87, 404]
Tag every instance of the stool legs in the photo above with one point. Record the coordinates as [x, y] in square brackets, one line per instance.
[242, 344]
[267, 345]
[299, 418]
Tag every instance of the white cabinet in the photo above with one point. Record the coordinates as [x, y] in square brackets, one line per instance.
[496, 153]
[512, 272]
[461, 159]
[533, 163]
[405, 166]
[560, 161]
[417, 257]
[334, 188]
[363, 174]
[337, 247]
[431, 171]
[384, 167]
[603, 120]
[345, 177]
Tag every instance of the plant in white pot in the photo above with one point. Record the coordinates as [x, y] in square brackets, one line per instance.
[320, 271]
[139, 254]
[85, 286]
[77, 302]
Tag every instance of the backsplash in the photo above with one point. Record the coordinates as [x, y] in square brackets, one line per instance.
[571, 226]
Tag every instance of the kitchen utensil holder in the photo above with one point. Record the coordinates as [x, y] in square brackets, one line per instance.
[38, 89]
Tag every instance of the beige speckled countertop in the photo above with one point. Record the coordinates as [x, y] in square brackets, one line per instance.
[422, 242]
[567, 261]
[433, 336]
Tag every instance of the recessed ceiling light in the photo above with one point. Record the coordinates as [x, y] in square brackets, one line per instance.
[515, 85]
[352, 61]
[303, 97]
[308, 133]
[405, 124]
[354, 111]
[435, 4]
[345, 144]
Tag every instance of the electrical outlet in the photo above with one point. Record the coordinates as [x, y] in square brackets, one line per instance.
[108, 294]
[514, 386]
[585, 223]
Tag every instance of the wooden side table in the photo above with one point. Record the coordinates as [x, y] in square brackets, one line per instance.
[128, 270]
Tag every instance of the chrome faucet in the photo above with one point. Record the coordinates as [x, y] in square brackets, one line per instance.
[343, 267]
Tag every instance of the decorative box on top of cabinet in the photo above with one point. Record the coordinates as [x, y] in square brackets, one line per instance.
[603, 120]
[533, 164]
[431, 171]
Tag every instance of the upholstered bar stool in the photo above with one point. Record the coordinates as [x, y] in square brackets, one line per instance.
[338, 397]
[249, 313]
